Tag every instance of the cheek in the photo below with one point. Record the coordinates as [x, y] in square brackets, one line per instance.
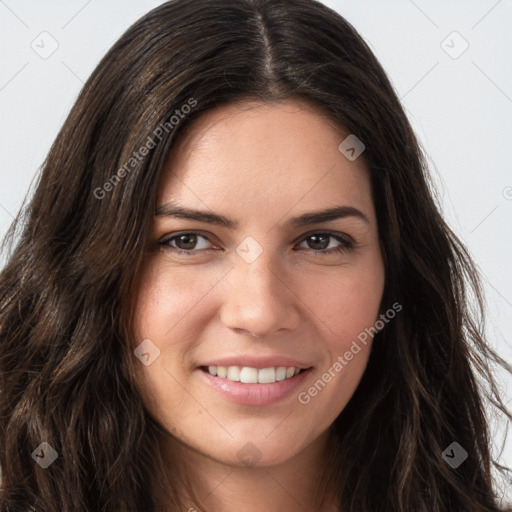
[347, 319]
[164, 301]
[347, 308]
[170, 311]
[165, 297]
[346, 302]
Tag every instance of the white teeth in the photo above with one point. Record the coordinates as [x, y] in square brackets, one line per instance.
[266, 375]
[250, 375]
[281, 373]
[234, 373]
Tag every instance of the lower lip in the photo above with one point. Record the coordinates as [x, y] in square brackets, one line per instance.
[256, 394]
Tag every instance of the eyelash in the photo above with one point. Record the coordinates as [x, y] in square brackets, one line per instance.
[345, 243]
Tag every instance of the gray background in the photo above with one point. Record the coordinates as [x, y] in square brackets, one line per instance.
[459, 102]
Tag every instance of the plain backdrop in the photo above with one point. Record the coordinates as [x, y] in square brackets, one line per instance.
[450, 64]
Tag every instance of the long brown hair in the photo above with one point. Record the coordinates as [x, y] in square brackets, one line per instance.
[75, 250]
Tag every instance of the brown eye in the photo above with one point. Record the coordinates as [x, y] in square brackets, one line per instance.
[186, 243]
[318, 242]
[327, 243]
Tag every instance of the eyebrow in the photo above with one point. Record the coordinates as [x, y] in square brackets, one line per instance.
[306, 219]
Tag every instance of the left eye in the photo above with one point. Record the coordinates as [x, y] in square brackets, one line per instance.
[324, 246]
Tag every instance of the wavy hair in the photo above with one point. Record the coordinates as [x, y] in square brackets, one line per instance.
[75, 252]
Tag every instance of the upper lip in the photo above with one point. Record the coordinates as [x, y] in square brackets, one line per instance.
[258, 362]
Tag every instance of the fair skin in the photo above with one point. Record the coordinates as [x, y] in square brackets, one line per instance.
[286, 293]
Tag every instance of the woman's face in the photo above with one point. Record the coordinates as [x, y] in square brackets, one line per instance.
[242, 274]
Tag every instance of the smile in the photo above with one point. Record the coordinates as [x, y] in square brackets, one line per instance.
[250, 375]
[245, 385]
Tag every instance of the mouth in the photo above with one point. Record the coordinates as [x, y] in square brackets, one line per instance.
[245, 385]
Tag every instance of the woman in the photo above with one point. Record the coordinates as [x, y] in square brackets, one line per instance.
[232, 288]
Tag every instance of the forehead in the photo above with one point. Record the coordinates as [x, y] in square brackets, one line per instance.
[263, 155]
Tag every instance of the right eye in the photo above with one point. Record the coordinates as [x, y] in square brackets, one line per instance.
[185, 243]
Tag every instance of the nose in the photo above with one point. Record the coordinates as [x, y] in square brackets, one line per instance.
[258, 299]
